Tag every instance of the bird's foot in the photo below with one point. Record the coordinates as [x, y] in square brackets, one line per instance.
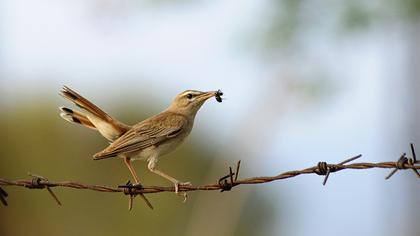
[183, 194]
[177, 184]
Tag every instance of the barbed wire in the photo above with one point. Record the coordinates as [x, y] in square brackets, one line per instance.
[226, 183]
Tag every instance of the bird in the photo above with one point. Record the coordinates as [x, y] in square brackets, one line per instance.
[147, 140]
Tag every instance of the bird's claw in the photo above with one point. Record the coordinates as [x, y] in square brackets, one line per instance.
[183, 194]
[177, 184]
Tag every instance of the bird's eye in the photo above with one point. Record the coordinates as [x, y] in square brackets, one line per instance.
[189, 96]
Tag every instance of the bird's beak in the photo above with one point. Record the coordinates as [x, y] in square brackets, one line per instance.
[206, 95]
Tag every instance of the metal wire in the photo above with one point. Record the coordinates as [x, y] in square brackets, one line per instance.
[225, 183]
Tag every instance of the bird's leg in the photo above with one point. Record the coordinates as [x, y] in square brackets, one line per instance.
[127, 162]
[152, 167]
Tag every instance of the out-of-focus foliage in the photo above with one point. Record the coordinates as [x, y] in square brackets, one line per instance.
[286, 22]
[410, 9]
[357, 15]
[282, 24]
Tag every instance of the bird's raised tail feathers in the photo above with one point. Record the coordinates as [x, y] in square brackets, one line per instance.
[95, 118]
[76, 117]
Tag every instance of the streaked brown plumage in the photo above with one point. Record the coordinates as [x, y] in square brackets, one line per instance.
[147, 140]
[157, 130]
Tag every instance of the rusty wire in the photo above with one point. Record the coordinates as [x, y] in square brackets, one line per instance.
[225, 183]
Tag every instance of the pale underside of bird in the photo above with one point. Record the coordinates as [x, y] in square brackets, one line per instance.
[147, 140]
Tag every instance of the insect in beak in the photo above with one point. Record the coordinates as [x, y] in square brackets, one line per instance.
[218, 95]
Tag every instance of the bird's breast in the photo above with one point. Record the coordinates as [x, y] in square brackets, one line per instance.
[165, 146]
[158, 150]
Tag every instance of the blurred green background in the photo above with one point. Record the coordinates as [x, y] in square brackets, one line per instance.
[305, 81]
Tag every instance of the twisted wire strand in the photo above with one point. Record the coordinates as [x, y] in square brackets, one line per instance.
[29, 183]
[225, 183]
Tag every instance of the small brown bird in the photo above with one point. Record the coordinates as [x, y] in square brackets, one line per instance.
[147, 140]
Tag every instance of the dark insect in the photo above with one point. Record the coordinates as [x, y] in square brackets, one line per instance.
[219, 93]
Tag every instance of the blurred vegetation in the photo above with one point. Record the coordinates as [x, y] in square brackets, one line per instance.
[37, 140]
[286, 22]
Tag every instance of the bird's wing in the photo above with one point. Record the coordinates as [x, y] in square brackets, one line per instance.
[145, 134]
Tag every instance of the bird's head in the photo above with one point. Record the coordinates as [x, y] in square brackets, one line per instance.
[190, 101]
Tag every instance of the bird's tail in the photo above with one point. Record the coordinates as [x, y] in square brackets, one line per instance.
[95, 118]
[76, 117]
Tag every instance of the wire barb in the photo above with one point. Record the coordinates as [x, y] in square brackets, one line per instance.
[3, 196]
[413, 161]
[326, 169]
[405, 162]
[39, 182]
[223, 182]
[128, 190]
[238, 165]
